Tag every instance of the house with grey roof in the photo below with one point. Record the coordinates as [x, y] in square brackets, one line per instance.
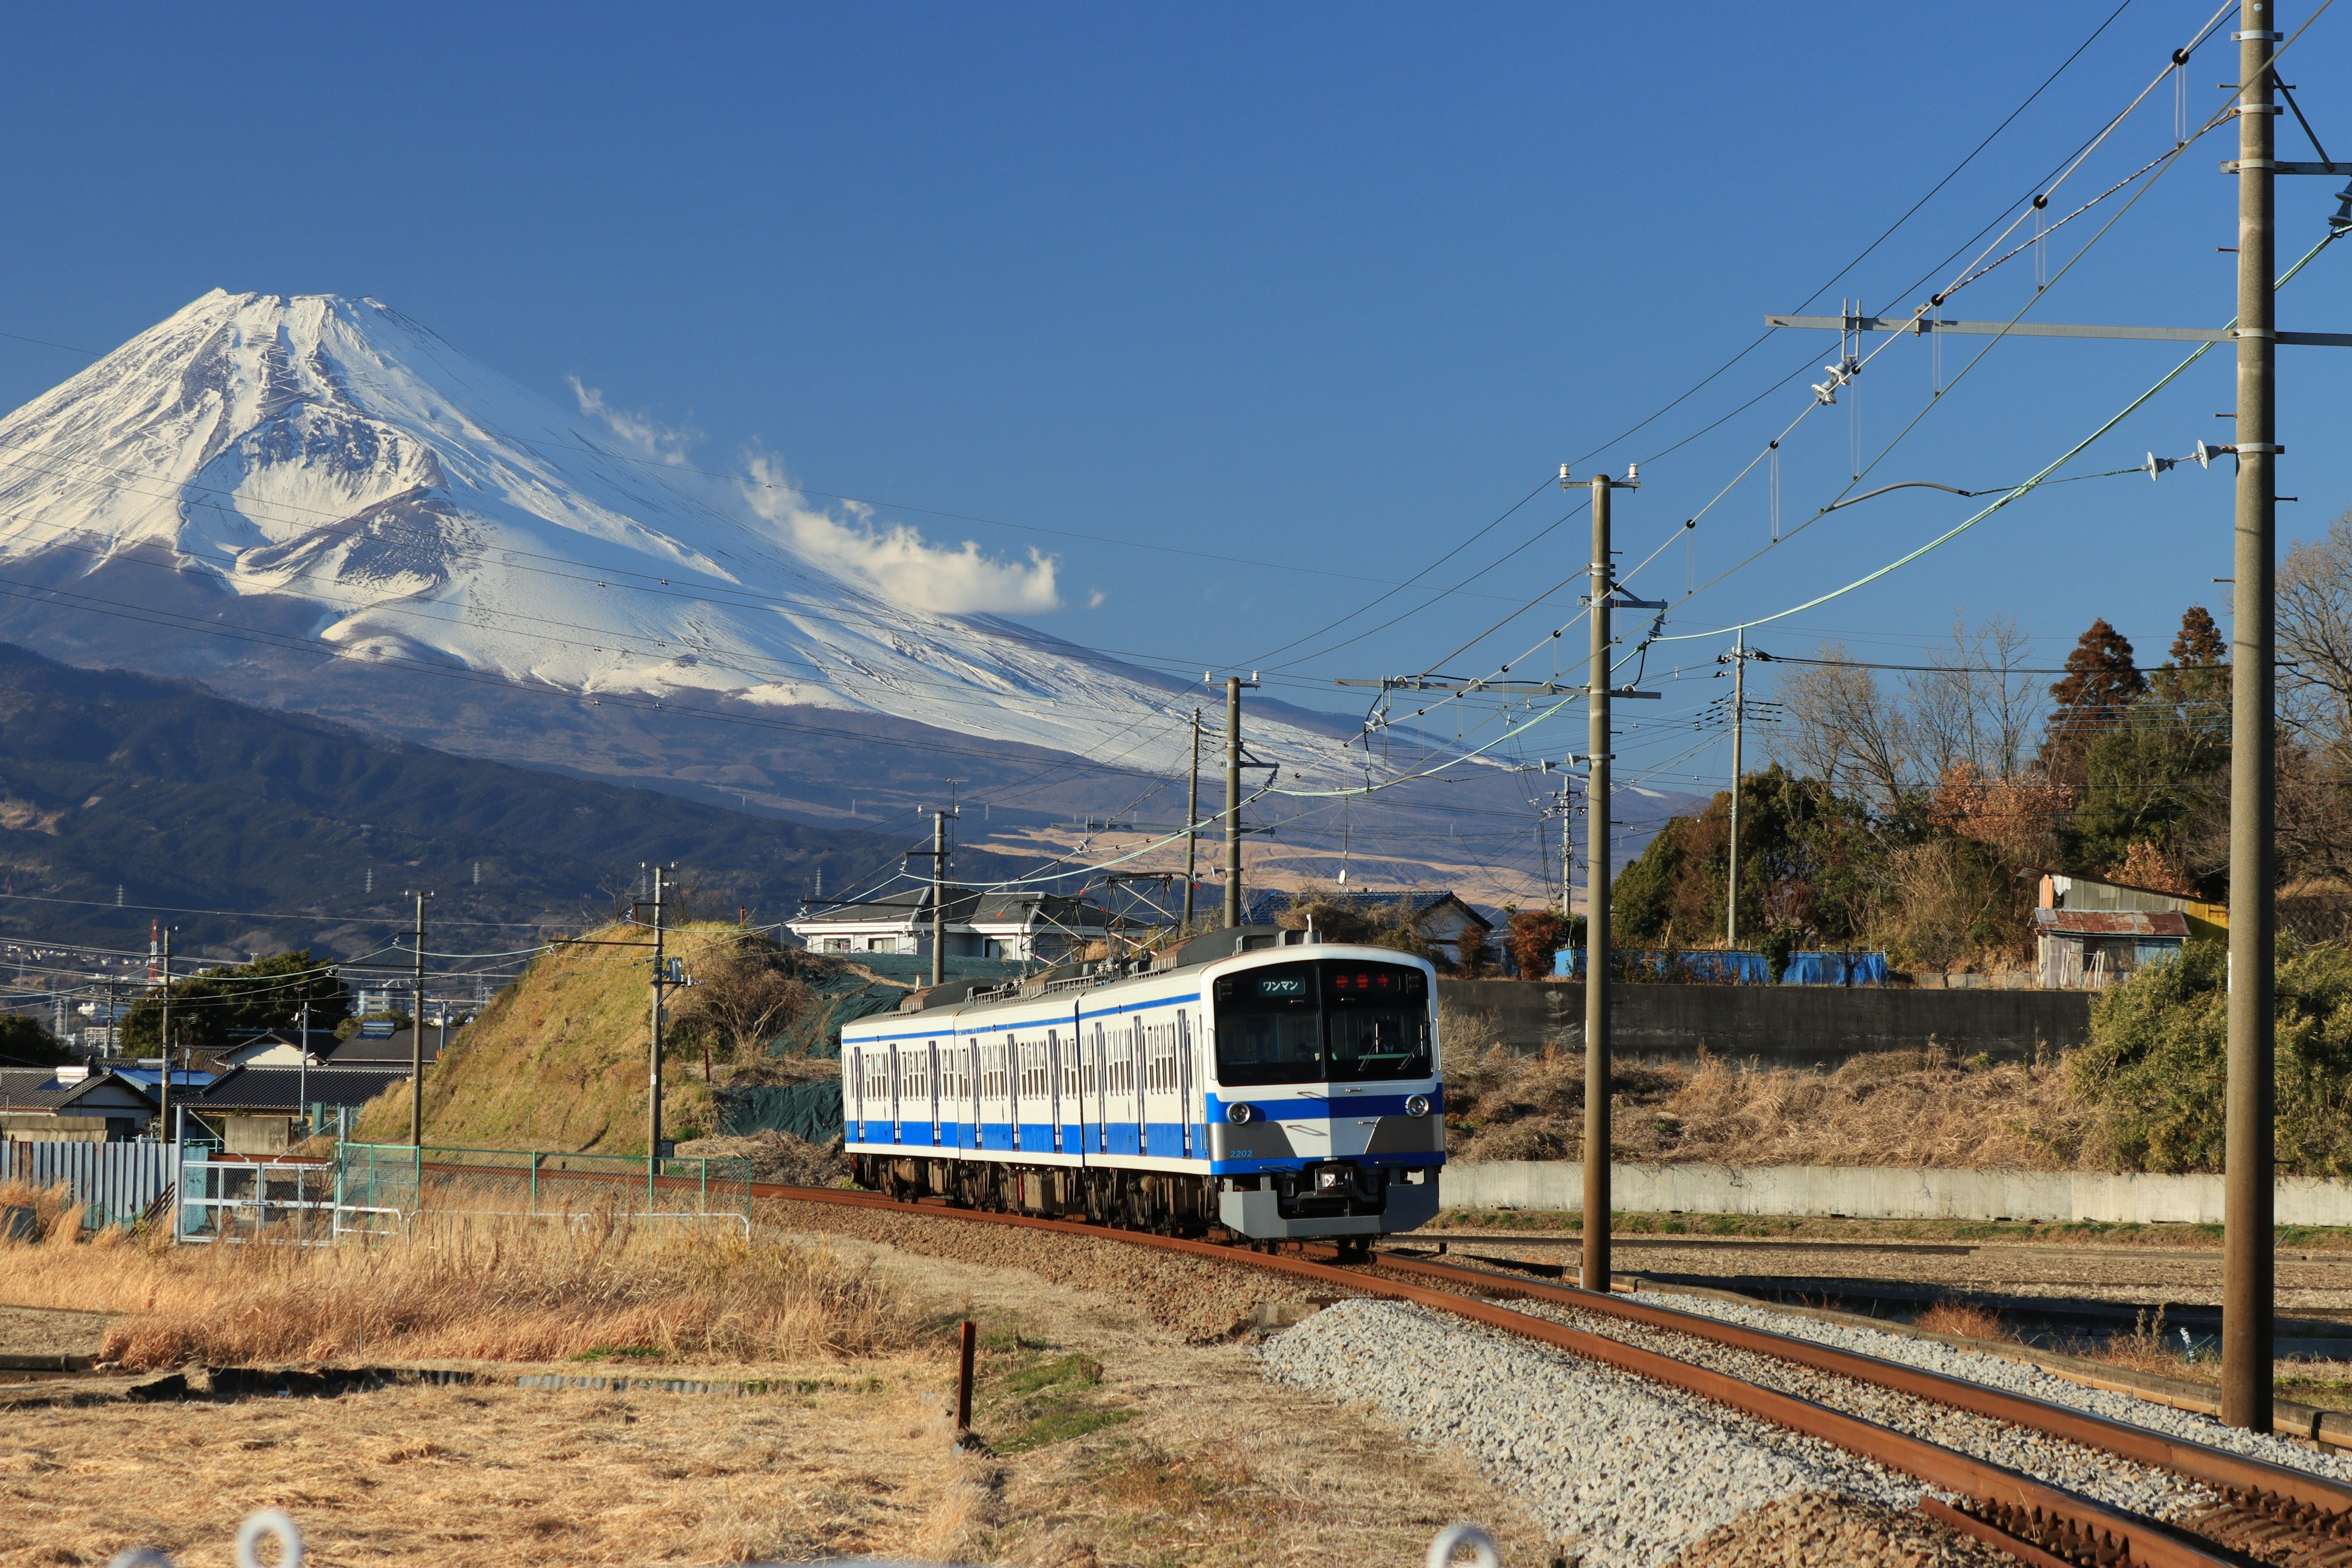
[72, 1105]
[1021, 925]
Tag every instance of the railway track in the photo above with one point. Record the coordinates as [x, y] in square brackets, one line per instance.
[2262, 1513]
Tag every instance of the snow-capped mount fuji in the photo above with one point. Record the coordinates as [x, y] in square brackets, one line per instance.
[340, 464]
[315, 503]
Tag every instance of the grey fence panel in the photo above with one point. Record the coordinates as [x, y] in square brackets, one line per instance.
[117, 1181]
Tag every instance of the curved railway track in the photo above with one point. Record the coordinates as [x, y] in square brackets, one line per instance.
[2268, 1513]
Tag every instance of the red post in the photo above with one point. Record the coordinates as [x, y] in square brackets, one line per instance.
[963, 1378]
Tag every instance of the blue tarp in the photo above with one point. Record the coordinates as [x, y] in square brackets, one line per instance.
[1718, 968]
[1835, 969]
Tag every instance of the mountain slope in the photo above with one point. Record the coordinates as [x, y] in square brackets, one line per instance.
[186, 800]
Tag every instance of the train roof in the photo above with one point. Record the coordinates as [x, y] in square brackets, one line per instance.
[965, 997]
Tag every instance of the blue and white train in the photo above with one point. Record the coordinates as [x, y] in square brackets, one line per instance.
[1261, 1080]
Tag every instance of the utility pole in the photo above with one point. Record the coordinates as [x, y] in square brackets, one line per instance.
[163, 1043]
[417, 1039]
[1566, 846]
[652, 1079]
[1234, 801]
[1739, 715]
[302, 1071]
[1192, 823]
[654, 1076]
[938, 898]
[2248, 1269]
[1596, 890]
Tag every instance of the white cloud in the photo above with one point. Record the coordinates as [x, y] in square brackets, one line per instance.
[897, 559]
[637, 430]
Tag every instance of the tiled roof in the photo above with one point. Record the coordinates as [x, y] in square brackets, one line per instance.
[1262, 907]
[284, 1088]
[38, 1089]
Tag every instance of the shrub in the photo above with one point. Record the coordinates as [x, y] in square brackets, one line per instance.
[2159, 1048]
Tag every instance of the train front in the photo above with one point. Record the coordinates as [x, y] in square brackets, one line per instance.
[1327, 1115]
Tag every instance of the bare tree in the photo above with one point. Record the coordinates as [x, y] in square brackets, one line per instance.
[1843, 731]
[1973, 706]
[2315, 635]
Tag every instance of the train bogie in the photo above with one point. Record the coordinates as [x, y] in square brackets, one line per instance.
[1291, 1090]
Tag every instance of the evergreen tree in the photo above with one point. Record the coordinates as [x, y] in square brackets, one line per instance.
[2099, 687]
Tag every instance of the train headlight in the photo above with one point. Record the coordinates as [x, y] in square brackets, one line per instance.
[1239, 1115]
[1417, 1106]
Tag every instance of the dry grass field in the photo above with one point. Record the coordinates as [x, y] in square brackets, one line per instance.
[1123, 1430]
[1895, 1107]
[466, 1288]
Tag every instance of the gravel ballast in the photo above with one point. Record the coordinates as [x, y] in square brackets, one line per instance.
[1627, 1471]
[2087, 1472]
[1997, 1371]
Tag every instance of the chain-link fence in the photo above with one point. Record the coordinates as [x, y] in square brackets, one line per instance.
[381, 1187]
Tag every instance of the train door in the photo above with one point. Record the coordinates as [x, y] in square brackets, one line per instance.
[1142, 1108]
[935, 1064]
[1183, 1031]
[1102, 1094]
[858, 1094]
[1053, 1065]
[1013, 1086]
[892, 1059]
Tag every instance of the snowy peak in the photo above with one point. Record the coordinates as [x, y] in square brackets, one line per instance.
[333, 453]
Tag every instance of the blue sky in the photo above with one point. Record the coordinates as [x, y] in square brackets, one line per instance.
[1314, 292]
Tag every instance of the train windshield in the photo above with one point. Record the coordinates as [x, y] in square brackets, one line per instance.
[1321, 1022]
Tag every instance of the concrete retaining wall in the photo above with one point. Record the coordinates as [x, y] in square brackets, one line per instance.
[1880, 1192]
[1781, 1025]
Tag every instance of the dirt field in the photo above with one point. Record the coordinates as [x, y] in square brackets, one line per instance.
[1116, 1439]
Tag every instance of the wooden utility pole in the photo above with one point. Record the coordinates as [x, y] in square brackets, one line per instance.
[2248, 1273]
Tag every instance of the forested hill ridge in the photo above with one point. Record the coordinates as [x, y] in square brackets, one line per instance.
[186, 800]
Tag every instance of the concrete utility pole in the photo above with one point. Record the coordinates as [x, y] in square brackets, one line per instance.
[1596, 908]
[654, 1078]
[1595, 1272]
[163, 1044]
[1567, 845]
[417, 1039]
[2247, 1264]
[1192, 823]
[302, 1070]
[939, 897]
[1232, 801]
[1739, 714]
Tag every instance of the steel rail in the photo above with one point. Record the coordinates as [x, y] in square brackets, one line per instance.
[2024, 1517]
[2329, 1501]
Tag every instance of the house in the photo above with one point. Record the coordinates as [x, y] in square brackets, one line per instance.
[72, 1105]
[2058, 890]
[1437, 916]
[2075, 948]
[1021, 925]
[377, 1047]
[258, 1110]
[2092, 932]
